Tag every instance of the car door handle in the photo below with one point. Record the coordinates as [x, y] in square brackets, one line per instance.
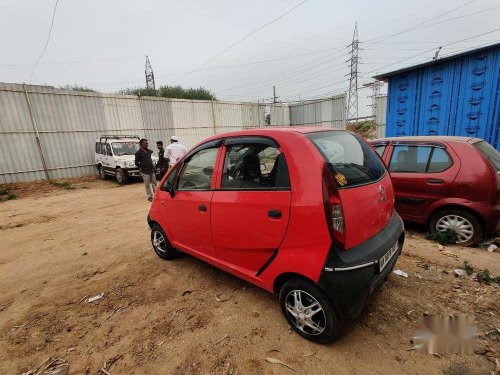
[435, 181]
[274, 214]
[202, 208]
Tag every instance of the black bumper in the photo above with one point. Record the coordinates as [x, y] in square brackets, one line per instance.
[350, 277]
[132, 172]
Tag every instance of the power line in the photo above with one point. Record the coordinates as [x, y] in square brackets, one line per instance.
[75, 61]
[242, 39]
[47, 42]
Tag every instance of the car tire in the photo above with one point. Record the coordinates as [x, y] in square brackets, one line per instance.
[121, 176]
[471, 232]
[322, 326]
[161, 245]
[102, 174]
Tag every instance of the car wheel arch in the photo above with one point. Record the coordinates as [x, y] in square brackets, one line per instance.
[281, 279]
[455, 206]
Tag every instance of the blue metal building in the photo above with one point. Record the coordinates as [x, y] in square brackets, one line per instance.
[455, 95]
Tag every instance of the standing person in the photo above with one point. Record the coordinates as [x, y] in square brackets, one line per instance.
[144, 162]
[162, 164]
[174, 150]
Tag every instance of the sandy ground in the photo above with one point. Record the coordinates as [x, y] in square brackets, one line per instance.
[59, 246]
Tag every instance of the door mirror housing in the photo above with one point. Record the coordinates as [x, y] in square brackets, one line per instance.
[170, 188]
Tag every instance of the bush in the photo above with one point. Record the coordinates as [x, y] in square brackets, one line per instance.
[76, 88]
[367, 129]
[176, 92]
[446, 237]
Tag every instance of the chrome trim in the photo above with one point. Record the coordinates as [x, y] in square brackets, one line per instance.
[339, 269]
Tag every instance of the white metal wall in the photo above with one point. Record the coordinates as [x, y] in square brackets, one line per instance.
[327, 113]
[67, 123]
[380, 115]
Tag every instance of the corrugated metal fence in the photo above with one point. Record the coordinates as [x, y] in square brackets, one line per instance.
[50, 133]
[380, 115]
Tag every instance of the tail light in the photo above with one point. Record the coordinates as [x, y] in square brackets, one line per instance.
[333, 209]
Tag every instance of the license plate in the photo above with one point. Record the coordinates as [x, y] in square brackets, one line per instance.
[387, 257]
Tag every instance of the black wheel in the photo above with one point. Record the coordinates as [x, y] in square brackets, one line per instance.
[309, 311]
[161, 244]
[102, 174]
[467, 227]
[121, 176]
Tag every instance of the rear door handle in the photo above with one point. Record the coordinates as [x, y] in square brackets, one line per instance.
[435, 181]
[274, 214]
[202, 208]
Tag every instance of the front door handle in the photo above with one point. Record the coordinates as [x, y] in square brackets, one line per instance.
[435, 181]
[274, 214]
[202, 208]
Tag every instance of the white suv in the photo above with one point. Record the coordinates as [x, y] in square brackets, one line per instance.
[115, 157]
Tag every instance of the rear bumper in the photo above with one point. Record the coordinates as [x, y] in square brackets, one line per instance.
[132, 172]
[350, 277]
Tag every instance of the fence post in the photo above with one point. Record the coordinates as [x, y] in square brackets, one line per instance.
[37, 135]
[213, 118]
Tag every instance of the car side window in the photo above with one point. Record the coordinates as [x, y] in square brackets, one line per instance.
[108, 150]
[171, 176]
[254, 167]
[407, 158]
[197, 172]
[97, 148]
[380, 149]
[440, 160]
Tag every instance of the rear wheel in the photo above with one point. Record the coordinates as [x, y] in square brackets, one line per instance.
[161, 245]
[309, 311]
[102, 174]
[121, 177]
[466, 226]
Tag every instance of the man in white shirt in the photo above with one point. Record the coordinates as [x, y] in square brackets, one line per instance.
[174, 151]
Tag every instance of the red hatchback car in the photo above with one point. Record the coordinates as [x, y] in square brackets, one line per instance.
[445, 182]
[305, 213]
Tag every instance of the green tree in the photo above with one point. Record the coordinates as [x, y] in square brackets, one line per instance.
[367, 129]
[77, 88]
[176, 92]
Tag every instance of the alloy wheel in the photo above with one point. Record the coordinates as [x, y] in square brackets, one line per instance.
[460, 225]
[159, 242]
[306, 312]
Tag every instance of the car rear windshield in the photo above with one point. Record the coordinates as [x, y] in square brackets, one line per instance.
[350, 159]
[489, 153]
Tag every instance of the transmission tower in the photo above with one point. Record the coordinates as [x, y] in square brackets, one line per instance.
[375, 86]
[150, 77]
[352, 101]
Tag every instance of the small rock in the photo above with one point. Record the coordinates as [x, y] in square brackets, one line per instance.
[480, 351]
[459, 272]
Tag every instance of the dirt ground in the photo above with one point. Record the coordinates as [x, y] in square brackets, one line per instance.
[60, 245]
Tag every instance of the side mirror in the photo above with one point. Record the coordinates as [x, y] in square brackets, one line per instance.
[170, 188]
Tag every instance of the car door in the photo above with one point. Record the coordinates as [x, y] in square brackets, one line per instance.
[251, 208]
[421, 175]
[187, 212]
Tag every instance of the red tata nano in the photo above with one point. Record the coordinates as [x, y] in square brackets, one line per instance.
[305, 213]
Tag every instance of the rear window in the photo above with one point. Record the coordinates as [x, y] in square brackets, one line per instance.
[489, 153]
[350, 159]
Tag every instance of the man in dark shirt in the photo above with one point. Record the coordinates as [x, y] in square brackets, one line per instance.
[144, 162]
[162, 162]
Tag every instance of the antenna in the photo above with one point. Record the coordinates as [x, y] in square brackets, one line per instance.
[150, 77]
[352, 101]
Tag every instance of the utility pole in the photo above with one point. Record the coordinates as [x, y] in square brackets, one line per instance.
[375, 86]
[352, 101]
[150, 77]
[274, 95]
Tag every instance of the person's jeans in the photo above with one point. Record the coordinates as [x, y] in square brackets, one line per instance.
[149, 181]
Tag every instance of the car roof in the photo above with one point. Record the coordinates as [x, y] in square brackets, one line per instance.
[269, 131]
[429, 138]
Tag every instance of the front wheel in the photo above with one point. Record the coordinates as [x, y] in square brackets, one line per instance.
[161, 245]
[102, 173]
[121, 177]
[466, 226]
[309, 311]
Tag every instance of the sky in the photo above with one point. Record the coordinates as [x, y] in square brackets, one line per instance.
[102, 44]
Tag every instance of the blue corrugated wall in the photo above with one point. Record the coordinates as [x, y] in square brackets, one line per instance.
[455, 97]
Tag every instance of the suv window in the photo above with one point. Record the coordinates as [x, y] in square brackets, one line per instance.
[97, 148]
[350, 159]
[253, 167]
[419, 159]
[198, 170]
[108, 149]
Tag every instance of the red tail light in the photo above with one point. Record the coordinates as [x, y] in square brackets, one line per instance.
[333, 209]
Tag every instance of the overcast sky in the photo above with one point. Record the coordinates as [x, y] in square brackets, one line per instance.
[181, 35]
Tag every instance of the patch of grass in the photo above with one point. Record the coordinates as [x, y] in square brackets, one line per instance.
[446, 237]
[4, 191]
[65, 185]
[467, 267]
[8, 197]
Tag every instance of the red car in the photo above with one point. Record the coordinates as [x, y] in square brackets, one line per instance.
[445, 182]
[305, 213]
